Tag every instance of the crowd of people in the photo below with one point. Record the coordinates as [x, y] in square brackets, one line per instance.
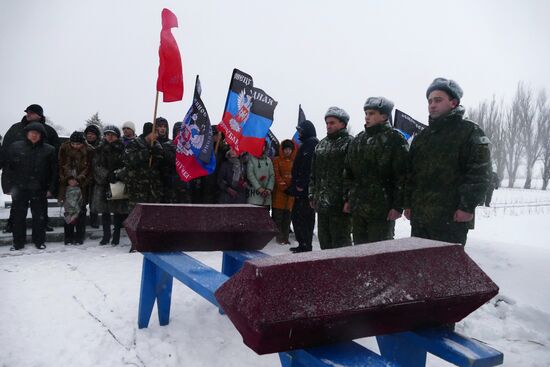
[357, 187]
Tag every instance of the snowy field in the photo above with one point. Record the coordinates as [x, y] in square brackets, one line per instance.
[77, 306]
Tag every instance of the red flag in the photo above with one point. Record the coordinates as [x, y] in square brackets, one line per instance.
[170, 79]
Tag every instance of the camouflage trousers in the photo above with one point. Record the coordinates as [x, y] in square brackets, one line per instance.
[452, 232]
[333, 231]
[366, 231]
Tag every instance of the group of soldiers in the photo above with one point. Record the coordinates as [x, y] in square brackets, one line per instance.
[358, 187]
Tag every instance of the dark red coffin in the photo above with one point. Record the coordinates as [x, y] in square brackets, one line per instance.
[294, 301]
[198, 227]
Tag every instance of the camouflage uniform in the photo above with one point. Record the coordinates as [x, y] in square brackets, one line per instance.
[376, 165]
[327, 189]
[143, 181]
[450, 167]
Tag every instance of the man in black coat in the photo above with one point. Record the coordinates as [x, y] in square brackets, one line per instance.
[34, 113]
[303, 215]
[31, 169]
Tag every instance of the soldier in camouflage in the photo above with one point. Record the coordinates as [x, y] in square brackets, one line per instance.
[327, 187]
[376, 165]
[143, 161]
[449, 169]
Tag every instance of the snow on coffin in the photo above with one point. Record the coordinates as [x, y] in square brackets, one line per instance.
[289, 302]
[199, 227]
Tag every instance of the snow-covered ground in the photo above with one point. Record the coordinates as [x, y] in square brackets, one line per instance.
[77, 306]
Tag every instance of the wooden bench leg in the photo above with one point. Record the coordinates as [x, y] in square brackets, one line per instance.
[401, 351]
[163, 290]
[147, 294]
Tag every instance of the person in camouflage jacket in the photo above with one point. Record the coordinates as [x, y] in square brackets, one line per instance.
[449, 169]
[143, 162]
[327, 187]
[108, 159]
[376, 165]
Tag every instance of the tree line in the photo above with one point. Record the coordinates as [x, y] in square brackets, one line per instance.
[519, 131]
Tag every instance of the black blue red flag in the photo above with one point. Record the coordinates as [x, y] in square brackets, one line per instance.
[248, 115]
[301, 117]
[408, 126]
[194, 144]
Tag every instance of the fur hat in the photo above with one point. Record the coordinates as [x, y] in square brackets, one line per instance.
[77, 137]
[446, 85]
[36, 108]
[339, 113]
[130, 125]
[111, 129]
[380, 104]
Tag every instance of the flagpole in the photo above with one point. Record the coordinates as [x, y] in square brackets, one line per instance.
[224, 106]
[154, 125]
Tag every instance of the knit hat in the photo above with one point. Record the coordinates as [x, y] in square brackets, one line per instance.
[448, 86]
[130, 125]
[36, 126]
[111, 129]
[380, 104]
[339, 113]
[77, 137]
[147, 128]
[36, 108]
[93, 129]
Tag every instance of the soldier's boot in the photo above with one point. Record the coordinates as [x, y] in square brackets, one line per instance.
[106, 223]
[94, 220]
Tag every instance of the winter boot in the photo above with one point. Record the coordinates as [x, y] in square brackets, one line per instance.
[68, 233]
[106, 223]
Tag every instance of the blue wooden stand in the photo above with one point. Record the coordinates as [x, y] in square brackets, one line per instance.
[407, 349]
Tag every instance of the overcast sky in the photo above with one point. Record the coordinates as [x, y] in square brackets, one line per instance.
[78, 57]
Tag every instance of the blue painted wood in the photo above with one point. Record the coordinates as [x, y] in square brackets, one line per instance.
[349, 354]
[455, 348]
[233, 261]
[147, 294]
[199, 277]
[163, 289]
[400, 351]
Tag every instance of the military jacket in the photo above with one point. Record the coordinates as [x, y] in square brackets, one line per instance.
[376, 165]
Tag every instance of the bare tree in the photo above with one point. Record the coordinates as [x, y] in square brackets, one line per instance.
[525, 110]
[489, 116]
[512, 145]
[543, 123]
[58, 128]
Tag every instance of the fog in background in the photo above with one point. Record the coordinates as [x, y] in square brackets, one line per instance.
[76, 58]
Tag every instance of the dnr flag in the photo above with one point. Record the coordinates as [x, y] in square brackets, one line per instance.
[248, 115]
[301, 118]
[408, 126]
[194, 144]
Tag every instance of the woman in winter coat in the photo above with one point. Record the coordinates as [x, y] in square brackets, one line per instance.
[261, 179]
[108, 159]
[232, 180]
[75, 176]
[282, 203]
